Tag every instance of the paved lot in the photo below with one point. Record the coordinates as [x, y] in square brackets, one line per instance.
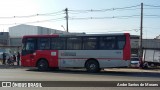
[15, 73]
[32, 74]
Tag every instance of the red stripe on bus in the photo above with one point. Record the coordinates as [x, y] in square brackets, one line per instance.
[127, 48]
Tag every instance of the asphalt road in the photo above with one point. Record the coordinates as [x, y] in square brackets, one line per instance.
[25, 74]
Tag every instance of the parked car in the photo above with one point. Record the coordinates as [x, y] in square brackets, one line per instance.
[8, 56]
[135, 62]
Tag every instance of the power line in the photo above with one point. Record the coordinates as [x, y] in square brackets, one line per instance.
[62, 12]
[152, 16]
[153, 27]
[86, 18]
[129, 30]
[151, 8]
[104, 10]
[87, 11]
[152, 5]
[89, 18]
[55, 13]
[115, 17]
[126, 30]
[127, 7]
[34, 15]
[58, 19]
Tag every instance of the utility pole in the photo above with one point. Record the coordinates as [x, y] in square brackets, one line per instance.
[141, 33]
[66, 10]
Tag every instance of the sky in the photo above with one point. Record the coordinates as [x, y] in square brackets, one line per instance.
[89, 16]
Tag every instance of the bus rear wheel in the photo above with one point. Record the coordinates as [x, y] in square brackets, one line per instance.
[42, 65]
[92, 66]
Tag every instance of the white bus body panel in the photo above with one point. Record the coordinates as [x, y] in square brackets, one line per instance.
[77, 58]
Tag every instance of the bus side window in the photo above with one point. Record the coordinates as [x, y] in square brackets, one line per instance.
[43, 43]
[90, 43]
[121, 42]
[74, 43]
[107, 43]
[58, 43]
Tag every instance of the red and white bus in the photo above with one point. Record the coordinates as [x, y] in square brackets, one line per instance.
[90, 51]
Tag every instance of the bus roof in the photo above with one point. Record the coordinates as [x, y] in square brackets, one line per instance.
[71, 35]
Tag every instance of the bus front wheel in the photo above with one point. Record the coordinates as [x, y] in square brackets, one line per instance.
[42, 65]
[92, 66]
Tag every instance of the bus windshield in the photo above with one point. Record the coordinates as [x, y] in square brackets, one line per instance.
[29, 44]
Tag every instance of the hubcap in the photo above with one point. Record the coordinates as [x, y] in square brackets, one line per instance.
[41, 65]
[92, 66]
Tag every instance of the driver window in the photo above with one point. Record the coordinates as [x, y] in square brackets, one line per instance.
[29, 46]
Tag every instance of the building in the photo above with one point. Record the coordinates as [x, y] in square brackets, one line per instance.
[151, 44]
[157, 37]
[4, 37]
[17, 32]
[146, 44]
[134, 44]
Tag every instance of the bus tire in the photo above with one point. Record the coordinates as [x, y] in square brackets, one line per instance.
[92, 66]
[42, 65]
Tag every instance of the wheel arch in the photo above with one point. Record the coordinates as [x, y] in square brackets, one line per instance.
[40, 60]
[91, 59]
